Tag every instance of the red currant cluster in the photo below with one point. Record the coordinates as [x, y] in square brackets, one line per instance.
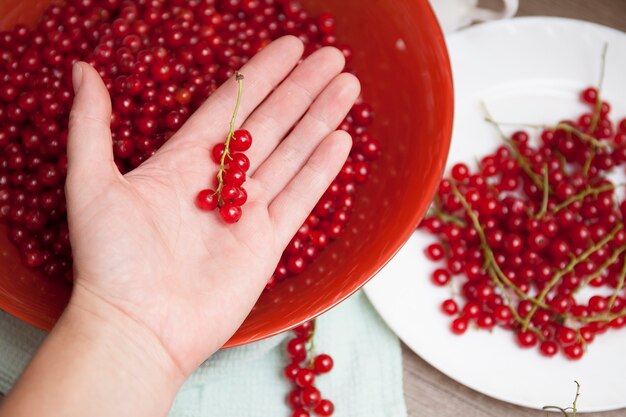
[229, 194]
[532, 236]
[305, 398]
[331, 214]
[160, 60]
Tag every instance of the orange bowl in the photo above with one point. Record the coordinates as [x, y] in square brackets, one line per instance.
[401, 59]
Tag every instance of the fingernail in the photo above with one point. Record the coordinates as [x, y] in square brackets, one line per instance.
[77, 76]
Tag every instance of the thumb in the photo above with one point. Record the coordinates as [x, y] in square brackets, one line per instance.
[89, 147]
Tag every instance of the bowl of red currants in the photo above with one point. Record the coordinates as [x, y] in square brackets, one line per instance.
[401, 129]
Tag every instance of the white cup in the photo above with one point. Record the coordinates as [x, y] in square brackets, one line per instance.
[455, 14]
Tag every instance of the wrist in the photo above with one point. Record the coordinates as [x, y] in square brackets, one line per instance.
[124, 341]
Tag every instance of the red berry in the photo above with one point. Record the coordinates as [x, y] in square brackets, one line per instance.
[296, 347]
[322, 364]
[548, 348]
[589, 95]
[449, 307]
[435, 252]
[459, 325]
[598, 304]
[207, 200]
[241, 198]
[526, 338]
[305, 378]
[324, 409]
[304, 329]
[565, 335]
[460, 172]
[240, 161]
[440, 277]
[291, 371]
[471, 310]
[574, 352]
[300, 412]
[310, 397]
[217, 152]
[234, 177]
[293, 399]
[241, 140]
[486, 321]
[230, 214]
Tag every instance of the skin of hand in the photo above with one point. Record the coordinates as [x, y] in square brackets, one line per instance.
[167, 282]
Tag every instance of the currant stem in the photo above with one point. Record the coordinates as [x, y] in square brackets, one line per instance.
[581, 196]
[588, 162]
[619, 286]
[598, 107]
[490, 260]
[576, 399]
[239, 77]
[523, 163]
[561, 126]
[602, 318]
[448, 218]
[610, 261]
[514, 312]
[582, 135]
[311, 348]
[546, 194]
[564, 410]
[569, 268]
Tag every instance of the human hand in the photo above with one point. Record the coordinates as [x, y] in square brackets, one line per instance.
[143, 252]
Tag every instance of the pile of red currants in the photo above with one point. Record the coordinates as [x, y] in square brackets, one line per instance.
[160, 60]
[534, 240]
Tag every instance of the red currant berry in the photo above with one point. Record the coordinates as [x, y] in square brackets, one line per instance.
[305, 378]
[459, 325]
[324, 409]
[548, 348]
[207, 200]
[449, 307]
[565, 335]
[574, 352]
[234, 177]
[241, 140]
[323, 363]
[589, 95]
[526, 339]
[240, 161]
[435, 252]
[460, 172]
[230, 214]
[291, 371]
[296, 348]
[440, 277]
[310, 397]
[217, 152]
[300, 412]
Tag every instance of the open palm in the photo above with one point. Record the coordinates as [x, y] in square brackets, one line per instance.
[141, 246]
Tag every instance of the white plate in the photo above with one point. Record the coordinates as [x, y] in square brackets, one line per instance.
[526, 70]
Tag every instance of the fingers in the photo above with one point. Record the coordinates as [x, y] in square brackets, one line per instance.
[326, 113]
[286, 105]
[262, 74]
[292, 206]
[89, 148]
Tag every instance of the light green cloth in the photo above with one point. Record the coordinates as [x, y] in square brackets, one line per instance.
[248, 381]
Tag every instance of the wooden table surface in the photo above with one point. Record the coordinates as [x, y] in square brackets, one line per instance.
[428, 392]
